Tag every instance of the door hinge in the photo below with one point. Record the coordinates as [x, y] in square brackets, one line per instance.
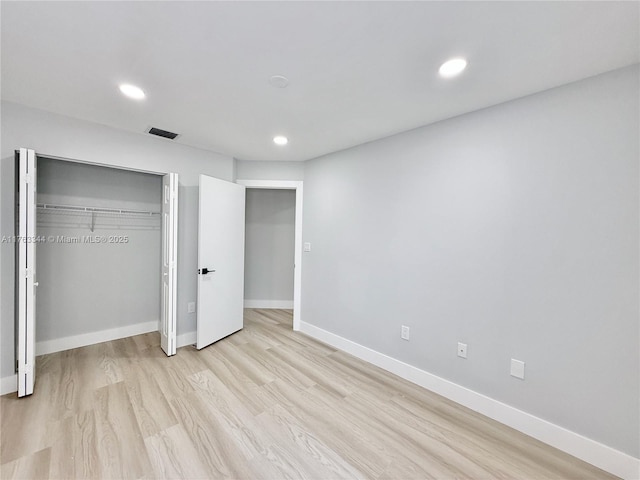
[28, 178]
[27, 368]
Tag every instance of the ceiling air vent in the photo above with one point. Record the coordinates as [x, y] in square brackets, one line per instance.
[163, 133]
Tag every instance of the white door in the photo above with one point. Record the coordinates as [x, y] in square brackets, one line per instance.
[26, 271]
[220, 260]
[169, 263]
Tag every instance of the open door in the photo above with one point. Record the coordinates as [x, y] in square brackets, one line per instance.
[220, 260]
[168, 308]
[26, 270]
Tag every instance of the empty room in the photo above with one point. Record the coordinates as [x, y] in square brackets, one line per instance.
[320, 240]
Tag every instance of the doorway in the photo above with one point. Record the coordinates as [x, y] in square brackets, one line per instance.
[296, 188]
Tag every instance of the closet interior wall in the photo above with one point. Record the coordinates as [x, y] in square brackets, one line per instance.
[97, 270]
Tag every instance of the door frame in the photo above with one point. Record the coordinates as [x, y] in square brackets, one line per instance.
[297, 270]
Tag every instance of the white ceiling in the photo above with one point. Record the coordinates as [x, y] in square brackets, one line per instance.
[358, 70]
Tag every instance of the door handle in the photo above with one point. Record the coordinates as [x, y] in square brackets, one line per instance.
[204, 271]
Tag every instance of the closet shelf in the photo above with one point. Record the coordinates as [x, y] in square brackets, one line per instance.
[52, 208]
[86, 216]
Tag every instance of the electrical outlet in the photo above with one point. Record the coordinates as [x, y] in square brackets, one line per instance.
[404, 333]
[462, 350]
[517, 369]
[307, 246]
[191, 307]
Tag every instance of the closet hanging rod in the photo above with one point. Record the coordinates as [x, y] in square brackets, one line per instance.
[80, 208]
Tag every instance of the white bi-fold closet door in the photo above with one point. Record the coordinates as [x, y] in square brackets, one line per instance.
[27, 279]
[26, 271]
[168, 308]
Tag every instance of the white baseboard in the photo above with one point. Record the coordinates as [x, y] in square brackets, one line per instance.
[66, 343]
[595, 453]
[285, 304]
[186, 339]
[8, 384]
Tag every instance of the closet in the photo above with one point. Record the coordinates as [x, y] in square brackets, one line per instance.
[96, 257]
[99, 254]
[97, 260]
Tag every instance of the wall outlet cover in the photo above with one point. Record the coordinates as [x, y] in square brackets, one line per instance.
[404, 332]
[517, 368]
[191, 307]
[462, 350]
[307, 246]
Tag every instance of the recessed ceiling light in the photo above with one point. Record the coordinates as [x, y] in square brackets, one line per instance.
[452, 67]
[132, 91]
[280, 140]
[279, 81]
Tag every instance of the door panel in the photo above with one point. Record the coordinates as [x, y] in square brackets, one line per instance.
[26, 271]
[168, 309]
[220, 260]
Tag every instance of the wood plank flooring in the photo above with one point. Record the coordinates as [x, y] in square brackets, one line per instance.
[264, 403]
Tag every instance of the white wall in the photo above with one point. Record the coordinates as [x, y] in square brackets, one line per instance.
[514, 229]
[61, 136]
[254, 170]
[269, 248]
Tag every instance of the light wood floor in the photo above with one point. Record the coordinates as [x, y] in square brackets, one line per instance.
[265, 403]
